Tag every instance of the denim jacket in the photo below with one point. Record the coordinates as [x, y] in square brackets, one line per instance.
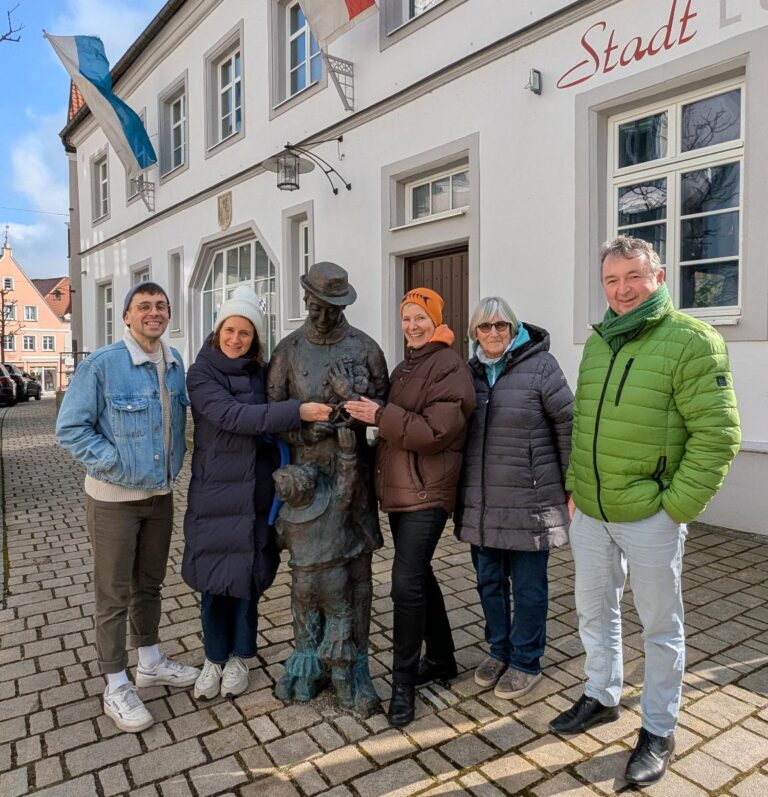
[111, 418]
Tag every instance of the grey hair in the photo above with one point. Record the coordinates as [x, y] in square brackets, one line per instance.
[628, 247]
[489, 308]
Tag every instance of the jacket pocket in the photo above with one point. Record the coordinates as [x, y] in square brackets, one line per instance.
[661, 466]
[623, 380]
[129, 417]
[416, 477]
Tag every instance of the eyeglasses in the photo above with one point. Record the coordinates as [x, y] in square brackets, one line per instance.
[499, 326]
[145, 307]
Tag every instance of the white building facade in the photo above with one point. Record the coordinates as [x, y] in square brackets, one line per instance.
[650, 120]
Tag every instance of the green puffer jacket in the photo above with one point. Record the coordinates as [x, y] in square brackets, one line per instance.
[654, 425]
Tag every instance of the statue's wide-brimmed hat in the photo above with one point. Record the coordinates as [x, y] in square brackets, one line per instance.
[329, 283]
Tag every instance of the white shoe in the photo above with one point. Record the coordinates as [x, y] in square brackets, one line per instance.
[124, 706]
[208, 682]
[234, 679]
[167, 672]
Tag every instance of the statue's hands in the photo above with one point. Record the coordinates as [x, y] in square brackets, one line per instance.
[316, 432]
[347, 440]
[313, 411]
[363, 410]
[340, 381]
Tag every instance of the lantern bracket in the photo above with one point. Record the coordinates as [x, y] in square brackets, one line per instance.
[295, 160]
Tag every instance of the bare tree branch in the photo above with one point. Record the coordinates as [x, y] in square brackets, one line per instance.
[8, 36]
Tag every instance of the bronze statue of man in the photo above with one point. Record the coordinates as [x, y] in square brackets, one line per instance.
[328, 360]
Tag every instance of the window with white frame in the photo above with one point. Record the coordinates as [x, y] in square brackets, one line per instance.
[106, 313]
[49, 343]
[228, 106]
[173, 129]
[305, 252]
[437, 194]
[29, 342]
[9, 343]
[677, 174]
[9, 311]
[7, 283]
[244, 264]
[100, 186]
[397, 13]
[304, 60]
[30, 312]
[141, 274]
[175, 286]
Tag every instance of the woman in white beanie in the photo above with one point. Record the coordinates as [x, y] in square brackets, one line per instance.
[230, 554]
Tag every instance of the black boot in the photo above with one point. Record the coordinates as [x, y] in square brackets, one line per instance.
[402, 706]
[430, 670]
[649, 759]
[584, 714]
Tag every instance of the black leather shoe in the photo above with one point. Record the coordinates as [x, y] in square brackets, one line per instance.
[402, 706]
[583, 715]
[436, 671]
[649, 759]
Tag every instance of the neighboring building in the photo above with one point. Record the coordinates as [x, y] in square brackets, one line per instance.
[36, 338]
[57, 295]
[650, 119]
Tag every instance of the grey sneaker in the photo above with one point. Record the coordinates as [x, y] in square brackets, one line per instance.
[515, 683]
[489, 671]
[234, 677]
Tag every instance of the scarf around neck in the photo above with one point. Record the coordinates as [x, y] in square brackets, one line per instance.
[616, 330]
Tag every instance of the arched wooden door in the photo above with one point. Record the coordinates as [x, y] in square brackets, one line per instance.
[447, 273]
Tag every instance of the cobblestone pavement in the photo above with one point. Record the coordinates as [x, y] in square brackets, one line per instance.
[54, 739]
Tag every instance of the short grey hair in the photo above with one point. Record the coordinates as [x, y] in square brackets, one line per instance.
[630, 248]
[489, 308]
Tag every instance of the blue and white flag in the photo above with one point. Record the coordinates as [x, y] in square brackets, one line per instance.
[83, 57]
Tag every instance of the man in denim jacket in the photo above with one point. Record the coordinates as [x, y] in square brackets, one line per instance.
[123, 418]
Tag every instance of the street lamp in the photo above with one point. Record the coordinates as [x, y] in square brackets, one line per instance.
[289, 165]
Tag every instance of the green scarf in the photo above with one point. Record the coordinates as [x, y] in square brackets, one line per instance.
[616, 330]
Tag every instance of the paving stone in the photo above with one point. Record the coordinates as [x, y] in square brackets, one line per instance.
[739, 748]
[308, 779]
[754, 785]
[292, 749]
[720, 709]
[295, 718]
[229, 740]
[704, 770]
[275, 785]
[551, 753]
[387, 746]
[78, 787]
[168, 761]
[396, 780]
[70, 737]
[14, 783]
[175, 787]
[430, 731]
[113, 780]
[563, 784]
[326, 737]
[506, 733]
[343, 764]
[256, 762]
[47, 771]
[467, 751]
[96, 756]
[511, 772]
[218, 776]
[264, 729]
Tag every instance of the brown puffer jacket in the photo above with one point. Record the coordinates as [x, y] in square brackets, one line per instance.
[422, 429]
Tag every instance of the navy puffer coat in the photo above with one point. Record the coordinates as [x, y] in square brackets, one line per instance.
[511, 492]
[230, 548]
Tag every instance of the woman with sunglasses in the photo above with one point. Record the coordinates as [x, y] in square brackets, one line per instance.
[418, 459]
[512, 506]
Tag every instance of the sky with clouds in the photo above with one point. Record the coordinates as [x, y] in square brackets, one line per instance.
[34, 198]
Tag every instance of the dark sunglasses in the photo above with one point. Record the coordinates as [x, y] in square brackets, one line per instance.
[499, 326]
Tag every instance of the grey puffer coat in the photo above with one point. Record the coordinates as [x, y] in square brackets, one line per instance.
[511, 491]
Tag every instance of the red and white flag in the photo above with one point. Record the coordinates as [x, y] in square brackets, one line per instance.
[328, 19]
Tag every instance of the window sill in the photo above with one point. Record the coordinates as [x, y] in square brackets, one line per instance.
[223, 143]
[174, 172]
[715, 320]
[448, 214]
[287, 103]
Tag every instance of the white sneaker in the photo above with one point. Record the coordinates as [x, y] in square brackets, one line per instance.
[208, 682]
[167, 672]
[234, 679]
[124, 706]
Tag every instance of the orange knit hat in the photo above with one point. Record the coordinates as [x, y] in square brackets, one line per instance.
[428, 300]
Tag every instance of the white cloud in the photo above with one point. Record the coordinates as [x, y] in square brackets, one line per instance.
[116, 22]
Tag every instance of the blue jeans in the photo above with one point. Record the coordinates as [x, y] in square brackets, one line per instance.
[229, 626]
[517, 638]
[653, 550]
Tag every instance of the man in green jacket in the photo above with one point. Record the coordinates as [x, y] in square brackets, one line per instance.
[655, 428]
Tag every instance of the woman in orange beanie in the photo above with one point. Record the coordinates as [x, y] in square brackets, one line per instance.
[421, 438]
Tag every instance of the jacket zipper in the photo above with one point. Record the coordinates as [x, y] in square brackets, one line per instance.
[661, 466]
[623, 379]
[482, 460]
[597, 428]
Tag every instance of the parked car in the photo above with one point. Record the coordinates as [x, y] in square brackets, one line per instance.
[20, 378]
[34, 388]
[7, 387]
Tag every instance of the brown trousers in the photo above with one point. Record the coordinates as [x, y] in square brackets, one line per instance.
[130, 542]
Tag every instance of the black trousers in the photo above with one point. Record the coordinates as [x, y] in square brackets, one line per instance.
[419, 609]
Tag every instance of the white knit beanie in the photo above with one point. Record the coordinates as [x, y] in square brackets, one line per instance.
[244, 302]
